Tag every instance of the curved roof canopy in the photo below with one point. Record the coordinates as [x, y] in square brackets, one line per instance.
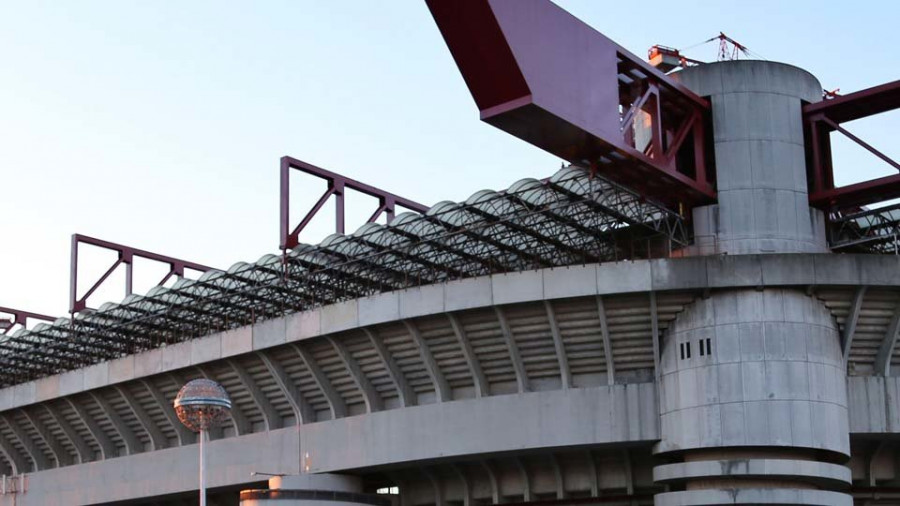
[570, 218]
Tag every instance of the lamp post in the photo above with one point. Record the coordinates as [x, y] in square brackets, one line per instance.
[202, 404]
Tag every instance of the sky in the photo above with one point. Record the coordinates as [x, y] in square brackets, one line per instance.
[160, 124]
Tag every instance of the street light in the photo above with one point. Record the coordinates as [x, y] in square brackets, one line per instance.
[202, 404]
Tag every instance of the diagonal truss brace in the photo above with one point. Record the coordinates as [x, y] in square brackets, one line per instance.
[337, 186]
[126, 255]
[19, 317]
[822, 118]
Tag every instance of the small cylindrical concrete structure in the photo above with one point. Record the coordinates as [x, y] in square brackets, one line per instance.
[752, 401]
[763, 201]
[312, 490]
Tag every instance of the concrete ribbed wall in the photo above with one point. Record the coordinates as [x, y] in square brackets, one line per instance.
[754, 379]
[775, 376]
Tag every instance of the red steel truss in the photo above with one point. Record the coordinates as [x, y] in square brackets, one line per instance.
[824, 117]
[541, 74]
[337, 184]
[126, 257]
[19, 317]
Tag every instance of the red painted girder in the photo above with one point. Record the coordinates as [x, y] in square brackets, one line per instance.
[824, 117]
[539, 73]
[859, 104]
[858, 194]
[19, 317]
[126, 256]
[337, 183]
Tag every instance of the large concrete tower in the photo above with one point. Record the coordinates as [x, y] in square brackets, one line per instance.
[753, 405]
[763, 201]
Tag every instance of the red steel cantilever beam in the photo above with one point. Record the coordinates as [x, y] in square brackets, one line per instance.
[337, 184]
[539, 73]
[825, 117]
[19, 317]
[126, 256]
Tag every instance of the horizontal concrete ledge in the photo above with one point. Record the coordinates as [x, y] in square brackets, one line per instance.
[170, 471]
[505, 423]
[819, 473]
[737, 271]
[532, 421]
[780, 496]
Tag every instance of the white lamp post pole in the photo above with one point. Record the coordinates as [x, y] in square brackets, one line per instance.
[201, 405]
[202, 436]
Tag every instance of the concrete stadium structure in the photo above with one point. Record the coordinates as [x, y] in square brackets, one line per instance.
[749, 366]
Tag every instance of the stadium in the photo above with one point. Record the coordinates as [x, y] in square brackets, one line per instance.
[689, 312]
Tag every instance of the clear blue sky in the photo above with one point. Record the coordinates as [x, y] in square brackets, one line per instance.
[160, 124]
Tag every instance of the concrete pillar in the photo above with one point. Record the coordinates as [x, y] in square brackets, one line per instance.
[312, 490]
[763, 204]
[753, 403]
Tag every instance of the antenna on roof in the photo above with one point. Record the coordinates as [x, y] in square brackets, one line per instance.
[729, 49]
[667, 58]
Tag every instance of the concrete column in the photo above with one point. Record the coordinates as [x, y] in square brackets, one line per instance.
[313, 490]
[753, 403]
[760, 160]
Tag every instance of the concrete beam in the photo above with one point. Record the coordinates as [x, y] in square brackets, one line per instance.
[132, 443]
[404, 391]
[62, 457]
[16, 460]
[335, 402]
[481, 384]
[629, 471]
[595, 475]
[107, 448]
[185, 436]
[558, 474]
[85, 454]
[370, 394]
[303, 412]
[852, 319]
[441, 387]
[157, 438]
[564, 372]
[886, 350]
[492, 478]
[514, 356]
[654, 334]
[435, 485]
[607, 343]
[464, 483]
[526, 480]
[270, 415]
[876, 449]
[35, 454]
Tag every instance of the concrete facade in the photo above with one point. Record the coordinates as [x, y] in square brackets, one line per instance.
[777, 316]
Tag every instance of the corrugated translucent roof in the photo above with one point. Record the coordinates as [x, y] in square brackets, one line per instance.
[869, 231]
[567, 219]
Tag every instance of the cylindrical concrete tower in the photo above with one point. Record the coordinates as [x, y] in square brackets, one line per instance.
[763, 204]
[313, 490]
[753, 401]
